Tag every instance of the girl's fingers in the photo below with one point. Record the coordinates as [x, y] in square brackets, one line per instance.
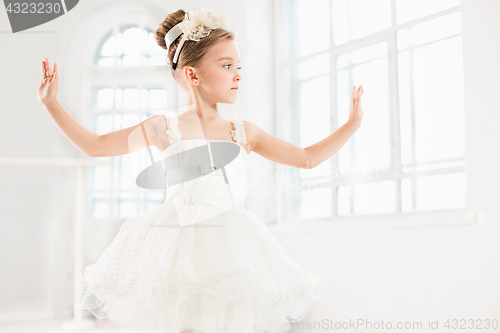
[359, 93]
[49, 72]
[44, 70]
[56, 74]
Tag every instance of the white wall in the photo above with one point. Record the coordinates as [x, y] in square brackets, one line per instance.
[391, 274]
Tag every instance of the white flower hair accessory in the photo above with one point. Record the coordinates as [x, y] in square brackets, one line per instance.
[195, 26]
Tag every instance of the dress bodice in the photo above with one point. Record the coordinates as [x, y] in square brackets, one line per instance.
[215, 192]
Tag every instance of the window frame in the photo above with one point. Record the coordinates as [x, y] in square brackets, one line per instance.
[398, 217]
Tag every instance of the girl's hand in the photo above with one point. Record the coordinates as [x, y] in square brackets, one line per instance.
[355, 109]
[47, 91]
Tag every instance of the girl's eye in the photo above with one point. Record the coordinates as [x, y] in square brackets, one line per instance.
[230, 65]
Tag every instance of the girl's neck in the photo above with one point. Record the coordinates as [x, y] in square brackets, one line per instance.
[204, 112]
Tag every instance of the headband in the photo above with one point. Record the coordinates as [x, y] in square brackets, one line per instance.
[195, 26]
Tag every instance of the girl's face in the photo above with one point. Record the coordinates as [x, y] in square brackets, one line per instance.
[218, 73]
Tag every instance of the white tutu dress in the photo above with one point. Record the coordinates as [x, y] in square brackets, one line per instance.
[200, 261]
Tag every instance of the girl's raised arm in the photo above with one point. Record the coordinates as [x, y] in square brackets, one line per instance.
[130, 139]
[120, 142]
[287, 153]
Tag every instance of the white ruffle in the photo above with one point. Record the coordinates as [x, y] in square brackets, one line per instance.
[239, 132]
[173, 126]
[231, 275]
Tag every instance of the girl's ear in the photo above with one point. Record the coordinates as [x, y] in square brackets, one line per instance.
[190, 75]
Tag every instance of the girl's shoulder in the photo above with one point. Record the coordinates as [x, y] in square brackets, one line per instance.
[249, 129]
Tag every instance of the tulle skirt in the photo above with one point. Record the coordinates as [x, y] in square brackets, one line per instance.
[227, 274]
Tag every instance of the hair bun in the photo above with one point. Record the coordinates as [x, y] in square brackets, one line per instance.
[170, 21]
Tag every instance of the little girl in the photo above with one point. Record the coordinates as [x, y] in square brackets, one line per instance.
[200, 261]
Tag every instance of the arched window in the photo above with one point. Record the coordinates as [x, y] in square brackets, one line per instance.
[128, 84]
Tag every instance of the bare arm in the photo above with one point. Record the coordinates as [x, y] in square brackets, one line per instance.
[120, 142]
[275, 149]
[130, 139]
[287, 153]
[83, 138]
[326, 148]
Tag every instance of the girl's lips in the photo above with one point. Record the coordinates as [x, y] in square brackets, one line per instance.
[235, 88]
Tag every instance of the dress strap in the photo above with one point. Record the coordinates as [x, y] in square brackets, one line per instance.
[173, 126]
[239, 132]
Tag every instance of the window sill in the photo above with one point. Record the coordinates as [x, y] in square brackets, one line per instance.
[462, 216]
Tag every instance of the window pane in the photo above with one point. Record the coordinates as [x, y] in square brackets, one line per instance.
[156, 112]
[119, 44]
[130, 120]
[310, 203]
[433, 192]
[353, 19]
[431, 99]
[436, 29]
[151, 199]
[108, 49]
[118, 122]
[99, 177]
[368, 53]
[142, 159]
[103, 123]
[118, 98]
[405, 110]
[126, 165]
[132, 60]
[369, 198]
[125, 204]
[144, 41]
[131, 99]
[369, 147]
[313, 67]
[124, 175]
[314, 99]
[305, 28]
[103, 98]
[411, 10]
[157, 61]
[144, 98]
[157, 98]
[99, 205]
[154, 48]
[132, 41]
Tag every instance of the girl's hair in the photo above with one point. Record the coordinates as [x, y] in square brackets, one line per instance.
[192, 51]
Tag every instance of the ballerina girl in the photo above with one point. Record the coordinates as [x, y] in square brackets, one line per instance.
[211, 280]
